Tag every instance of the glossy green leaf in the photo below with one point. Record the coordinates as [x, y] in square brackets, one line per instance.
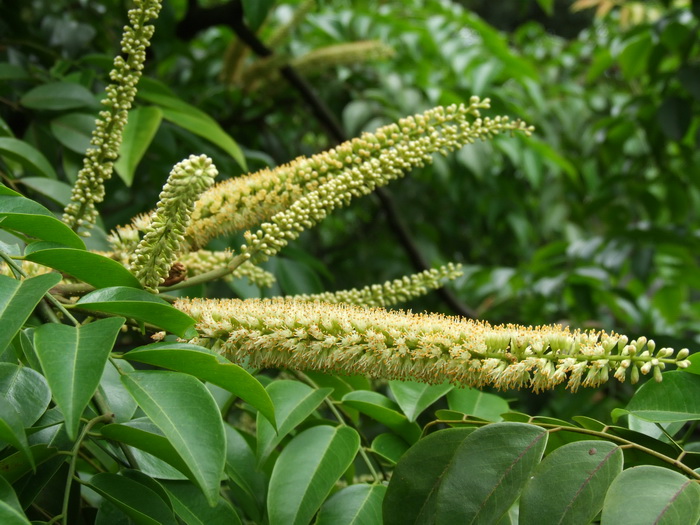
[294, 402]
[504, 455]
[16, 465]
[17, 301]
[143, 435]
[649, 494]
[135, 499]
[414, 397]
[92, 268]
[11, 512]
[74, 130]
[12, 429]
[410, 497]
[73, 359]
[384, 410]
[58, 96]
[192, 508]
[580, 475]
[390, 447]
[676, 398]
[31, 218]
[56, 190]
[26, 390]
[115, 395]
[185, 411]
[674, 117]
[139, 305]
[209, 366]
[306, 471]
[353, 505]
[28, 156]
[140, 129]
[473, 402]
[248, 483]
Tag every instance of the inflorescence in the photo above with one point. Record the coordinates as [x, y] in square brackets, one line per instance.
[431, 348]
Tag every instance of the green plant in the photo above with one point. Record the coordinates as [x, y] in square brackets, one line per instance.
[101, 427]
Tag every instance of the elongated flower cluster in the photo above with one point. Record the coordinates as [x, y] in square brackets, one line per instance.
[106, 138]
[374, 162]
[430, 348]
[391, 292]
[160, 247]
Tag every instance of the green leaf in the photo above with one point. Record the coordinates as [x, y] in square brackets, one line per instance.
[674, 117]
[293, 402]
[11, 512]
[143, 435]
[17, 301]
[248, 482]
[410, 497]
[414, 397]
[209, 366]
[476, 403]
[138, 501]
[307, 470]
[31, 218]
[649, 494]
[139, 305]
[504, 455]
[579, 474]
[12, 429]
[113, 391]
[26, 390]
[74, 130]
[353, 505]
[390, 447]
[192, 508]
[28, 156]
[676, 398]
[73, 359]
[634, 56]
[58, 96]
[256, 12]
[16, 465]
[140, 129]
[56, 190]
[190, 118]
[384, 410]
[185, 411]
[92, 268]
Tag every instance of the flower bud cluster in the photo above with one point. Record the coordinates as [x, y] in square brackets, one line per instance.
[106, 138]
[396, 150]
[162, 244]
[391, 292]
[432, 348]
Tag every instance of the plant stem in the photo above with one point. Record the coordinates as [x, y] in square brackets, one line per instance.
[212, 275]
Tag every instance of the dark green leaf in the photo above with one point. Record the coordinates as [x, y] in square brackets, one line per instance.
[12, 429]
[138, 134]
[58, 96]
[504, 455]
[74, 130]
[410, 497]
[476, 403]
[306, 471]
[209, 366]
[293, 402]
[138, 501]
[384, 410]
[92, 268]
[73, 359]
[114, 393]
[674, 117]
[414, 397]
[185, 411]
[26, 390]
[17, 301]
[256, 11]
[28, 156]
[31, 218]
[390, 447]
[139, 305]
[649, 494]
[676, 398]
[16, 465]
[192, 508]
[11, 512]
[247, 481]
[579, 474]
[353, 505]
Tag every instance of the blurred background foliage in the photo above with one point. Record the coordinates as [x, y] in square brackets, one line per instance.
[592, 222]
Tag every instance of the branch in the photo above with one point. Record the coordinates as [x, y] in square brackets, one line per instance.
[231, 14]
